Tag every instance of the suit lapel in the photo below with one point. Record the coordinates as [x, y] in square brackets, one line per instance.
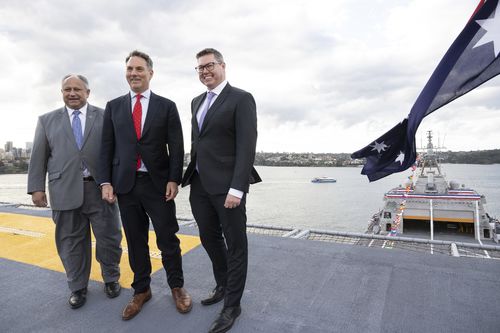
[66, 125]
[127, 114]
[213, 109]
[150, 113]
[89, 122]
[196, 106]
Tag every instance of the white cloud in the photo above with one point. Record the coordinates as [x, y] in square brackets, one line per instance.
[328, 76]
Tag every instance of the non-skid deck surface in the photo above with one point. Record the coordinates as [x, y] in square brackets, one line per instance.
[293, 286]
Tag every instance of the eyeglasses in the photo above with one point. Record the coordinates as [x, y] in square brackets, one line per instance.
[209, 67]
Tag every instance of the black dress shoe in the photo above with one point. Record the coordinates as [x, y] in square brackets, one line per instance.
[78, 298]
[112, 289]
[215, 296]
[225, 320]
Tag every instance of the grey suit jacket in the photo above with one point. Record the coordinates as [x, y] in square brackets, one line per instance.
[55, 153]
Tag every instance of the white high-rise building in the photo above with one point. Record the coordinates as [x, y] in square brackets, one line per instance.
[8, 146]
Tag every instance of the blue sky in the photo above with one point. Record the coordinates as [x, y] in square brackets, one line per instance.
[328, 76]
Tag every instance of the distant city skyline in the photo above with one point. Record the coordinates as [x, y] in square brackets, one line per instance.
[327, 76]
[11, 144]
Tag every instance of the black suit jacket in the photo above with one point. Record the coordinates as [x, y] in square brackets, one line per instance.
[225, 147]
[161, 145]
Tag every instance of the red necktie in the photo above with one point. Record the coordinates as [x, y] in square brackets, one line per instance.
[137, 116]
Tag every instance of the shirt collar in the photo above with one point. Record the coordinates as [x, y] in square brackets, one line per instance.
[83, 110]
[145, 94]
[217, 90]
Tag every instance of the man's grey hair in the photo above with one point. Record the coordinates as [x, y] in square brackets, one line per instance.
[142, 55]
[217, 55]
[81, 77]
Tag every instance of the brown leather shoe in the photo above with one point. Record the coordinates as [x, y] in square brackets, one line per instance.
[135, 305]
[182, 300]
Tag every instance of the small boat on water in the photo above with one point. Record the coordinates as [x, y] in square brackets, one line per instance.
[323, 179]
[431, 204]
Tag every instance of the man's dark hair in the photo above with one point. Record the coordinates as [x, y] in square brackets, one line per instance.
[142, 55]
[217, 55]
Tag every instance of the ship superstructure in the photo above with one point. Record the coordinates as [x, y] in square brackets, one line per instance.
[431, 203]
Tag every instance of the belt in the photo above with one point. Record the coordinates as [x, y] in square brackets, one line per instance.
[140, 174]
[88, 179]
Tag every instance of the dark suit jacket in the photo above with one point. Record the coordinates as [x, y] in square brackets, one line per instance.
[225, 147]
[161, 146]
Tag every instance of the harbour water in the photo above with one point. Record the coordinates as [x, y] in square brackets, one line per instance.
[286, 197]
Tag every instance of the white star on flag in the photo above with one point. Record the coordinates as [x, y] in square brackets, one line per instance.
[492, 27]
[379, 146]
[400, 158]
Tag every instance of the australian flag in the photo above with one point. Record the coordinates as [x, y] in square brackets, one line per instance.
[471, 60]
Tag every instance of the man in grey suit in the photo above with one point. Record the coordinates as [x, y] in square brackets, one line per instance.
[223, 139]
[66, 146]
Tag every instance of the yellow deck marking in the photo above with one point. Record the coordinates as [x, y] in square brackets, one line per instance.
[30, 240]
[21, 232]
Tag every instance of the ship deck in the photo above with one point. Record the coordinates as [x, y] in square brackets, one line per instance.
[294, 285]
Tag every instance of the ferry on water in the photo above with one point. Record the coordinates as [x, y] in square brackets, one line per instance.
[323, 179]
[432, 204]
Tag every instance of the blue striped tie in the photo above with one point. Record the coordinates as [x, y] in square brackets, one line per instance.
[210, 95]
[76, 125]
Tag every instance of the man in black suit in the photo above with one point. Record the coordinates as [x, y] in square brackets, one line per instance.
[224, 135]
[142, 156]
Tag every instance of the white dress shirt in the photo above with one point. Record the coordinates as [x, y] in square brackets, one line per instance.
[146, 96]
[82, 116]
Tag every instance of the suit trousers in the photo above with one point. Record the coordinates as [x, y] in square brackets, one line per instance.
[73, 238]
[143, 202]
[223, 235]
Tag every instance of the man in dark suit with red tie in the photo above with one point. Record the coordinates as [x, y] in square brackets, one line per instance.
[224, 136]
[142, 156]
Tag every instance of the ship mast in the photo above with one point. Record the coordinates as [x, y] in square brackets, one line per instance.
[430, 157]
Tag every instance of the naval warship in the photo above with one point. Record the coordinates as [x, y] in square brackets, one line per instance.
[428, 204]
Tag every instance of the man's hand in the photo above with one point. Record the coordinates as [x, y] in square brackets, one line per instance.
[232, 201]
[39, 199]
[172, 190]
[107, 193]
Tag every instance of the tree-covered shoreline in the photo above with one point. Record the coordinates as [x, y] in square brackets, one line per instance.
[20, 165]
